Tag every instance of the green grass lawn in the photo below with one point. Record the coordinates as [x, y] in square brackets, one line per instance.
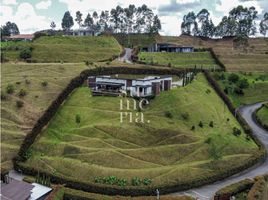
[262, 114]
[66, 49]
[167, 150]
[17, 122]
[257, 90]
[181, 60]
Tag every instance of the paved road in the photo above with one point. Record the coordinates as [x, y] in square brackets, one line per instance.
[127, 56]
[206, 192]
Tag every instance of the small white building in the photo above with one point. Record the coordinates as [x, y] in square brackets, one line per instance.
[148, 86]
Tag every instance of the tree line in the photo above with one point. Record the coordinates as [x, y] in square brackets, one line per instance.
[131, 19]
[241, 21]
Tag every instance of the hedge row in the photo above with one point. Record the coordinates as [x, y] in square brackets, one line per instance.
[127, 190]
[215, 57]
[57, 193]
[236, 188]
[258, 120]
[261, 154]
[258, 189]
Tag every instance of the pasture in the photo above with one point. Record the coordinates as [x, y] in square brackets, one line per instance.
[255, 91]
[179, 60]
[189, 136]
[251, 57]
[36, 86]
[48, 49]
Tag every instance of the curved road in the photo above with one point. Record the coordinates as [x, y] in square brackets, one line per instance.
[127, 56]
[207, 192]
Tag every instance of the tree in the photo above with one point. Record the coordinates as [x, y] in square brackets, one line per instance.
[207, 26]
[78, 18]
[189, 24]
[264, 24]
[89, 22]
[156, 24]
[115, 17]
[67, 21]
[25, 54]
[77, 118]
[53, 25]
[9, 29]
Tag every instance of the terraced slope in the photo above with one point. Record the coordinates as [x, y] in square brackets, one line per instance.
[16, 122]
[166, 149]
[251, 57]
[67, 49]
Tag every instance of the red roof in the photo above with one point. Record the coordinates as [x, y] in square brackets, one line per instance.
[22, 36]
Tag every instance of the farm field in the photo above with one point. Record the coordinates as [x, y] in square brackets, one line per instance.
[180, 60]
[255, 91]
[36, 86]
[250, 58]
[66, 49]
[188, 138]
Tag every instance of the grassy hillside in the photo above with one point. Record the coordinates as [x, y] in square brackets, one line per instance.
[136, 39]
[255, 91]
[262, 114]
[67, 49]
[183, 60]
[172, 147]
[250, 57]
[41, 83]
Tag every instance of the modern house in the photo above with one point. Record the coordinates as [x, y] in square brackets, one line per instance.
[20, 37]
[148, 86]
[83, 31]
[167, 47]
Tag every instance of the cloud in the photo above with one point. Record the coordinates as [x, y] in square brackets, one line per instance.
[9, 2]
[25, 17]
[43, 4]
[175, 7]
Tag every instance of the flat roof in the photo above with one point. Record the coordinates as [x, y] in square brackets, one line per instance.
[16, 190]
[146, 78]
[109, 83]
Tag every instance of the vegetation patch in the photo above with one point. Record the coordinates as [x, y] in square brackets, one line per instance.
[243, 88]
[182, 60]
[145, 151]
[24, 99]
[262, 116]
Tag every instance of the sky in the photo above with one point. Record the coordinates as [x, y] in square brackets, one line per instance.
[34, 15]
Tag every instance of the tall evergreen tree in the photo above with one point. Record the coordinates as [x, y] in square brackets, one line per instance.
[89, 22]
[78, 18]
[189, 24]
[67, 21]
[264, 25]
[9, 29]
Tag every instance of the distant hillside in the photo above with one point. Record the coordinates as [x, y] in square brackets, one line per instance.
[250, 57]
[136, 39]
[66, 49]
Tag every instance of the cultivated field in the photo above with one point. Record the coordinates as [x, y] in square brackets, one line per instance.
[256, 91]
[251, 57]
[190, 136]
[35, 85]
[66, 49]
[183, 60]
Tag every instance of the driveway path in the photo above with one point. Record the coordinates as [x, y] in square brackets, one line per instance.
[127, 56]
[206, 192]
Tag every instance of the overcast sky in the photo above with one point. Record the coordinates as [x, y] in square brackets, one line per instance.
[33, 15]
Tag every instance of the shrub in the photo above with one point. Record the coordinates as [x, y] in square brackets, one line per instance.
[200, 124]
[233, 78]
[193, 128]
[211, 124]
[236, 131]
[77, 118]
[185, 116]
[25, 54]
[147, 181]
[27, 81]
[10, 89]
[22, 93]
[169, 65]
[19, 104]
[208, 91]
[44, 83]
[168, 114]
[3, 96]
[136, 181]
[238, 91]
[208, 140]
[243, 83]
